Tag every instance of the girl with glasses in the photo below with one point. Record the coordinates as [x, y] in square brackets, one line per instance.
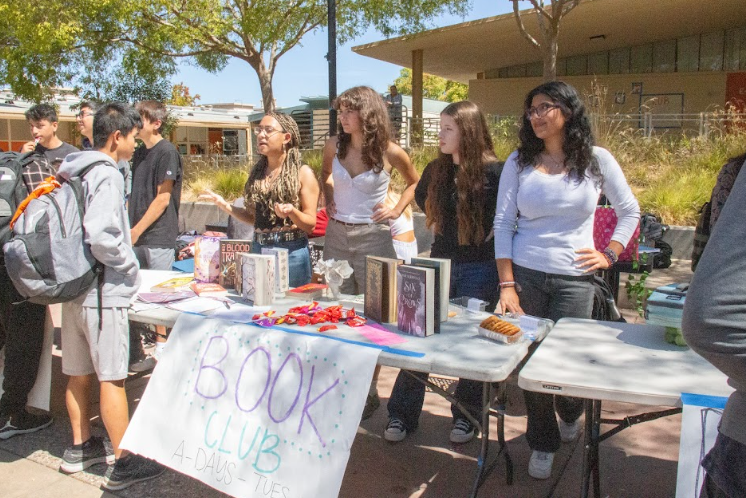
[357, 168]
[457, 192]
[546, 203]
[280, 197]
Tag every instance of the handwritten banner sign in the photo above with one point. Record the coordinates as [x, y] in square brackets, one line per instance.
[249, 411]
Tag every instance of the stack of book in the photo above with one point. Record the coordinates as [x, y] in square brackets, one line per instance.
[255, 278]
[282, 269]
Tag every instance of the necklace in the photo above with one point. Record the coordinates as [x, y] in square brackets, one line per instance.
[555, 164]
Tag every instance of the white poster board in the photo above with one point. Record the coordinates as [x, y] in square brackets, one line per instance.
[699, 429]
[253, 412]
[40, 393]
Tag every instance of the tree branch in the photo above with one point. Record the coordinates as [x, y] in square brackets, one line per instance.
[522, 28]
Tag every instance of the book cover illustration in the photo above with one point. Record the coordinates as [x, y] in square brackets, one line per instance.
[228, 250]
[282, 268]
[416, 300]
[442, 269]
[257, 278]
[177, 284]
[207, 259]
[205, 289]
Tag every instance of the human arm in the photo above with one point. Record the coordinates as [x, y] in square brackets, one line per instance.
[305, 217]
[244, 214]
[504, 226]
[399, 160]
[714, 319]
[420, 192]
[106, 225]
[327, 182]
[627, 210]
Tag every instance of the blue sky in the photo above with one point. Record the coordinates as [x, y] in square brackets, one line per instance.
[303, 70]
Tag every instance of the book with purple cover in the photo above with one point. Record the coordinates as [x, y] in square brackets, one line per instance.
[415, 300]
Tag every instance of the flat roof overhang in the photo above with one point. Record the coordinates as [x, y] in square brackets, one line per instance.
[460, 51]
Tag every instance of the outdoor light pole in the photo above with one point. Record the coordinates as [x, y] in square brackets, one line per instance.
[331, 57]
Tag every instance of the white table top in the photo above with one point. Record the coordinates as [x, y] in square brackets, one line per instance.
[618, 362]
[457, 351]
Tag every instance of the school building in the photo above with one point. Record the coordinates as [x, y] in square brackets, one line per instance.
[216, 129]
[666, 58]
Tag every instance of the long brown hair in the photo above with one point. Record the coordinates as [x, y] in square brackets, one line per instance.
[286, 189]
[374, 119]
[475, 149]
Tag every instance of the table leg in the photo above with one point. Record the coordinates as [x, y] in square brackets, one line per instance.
[597, 441]
[485, 437]
[587, 448]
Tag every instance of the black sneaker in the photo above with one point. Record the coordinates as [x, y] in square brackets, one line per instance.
[372, 402]
[129, 470]
[462, 432]
[81, 456]
[23, 422]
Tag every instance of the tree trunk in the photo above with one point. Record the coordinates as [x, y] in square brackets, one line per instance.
[549, 49]
[265, 83]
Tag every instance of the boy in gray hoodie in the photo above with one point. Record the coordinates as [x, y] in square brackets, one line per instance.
[87, 348]
[714, 325]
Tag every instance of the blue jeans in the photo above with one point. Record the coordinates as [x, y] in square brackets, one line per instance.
[299, 259]
[547, 295]
[478, 280]
[725, 465]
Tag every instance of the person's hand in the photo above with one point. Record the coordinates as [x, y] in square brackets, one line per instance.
[331, 208]
[382, 213]
[210, 196]
[591, 260]
[509, 301]
[490, 235]
[283, 210]
[28, 147]
[135, 235]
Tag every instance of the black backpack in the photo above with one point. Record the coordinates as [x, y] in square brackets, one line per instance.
[12, 189]
[604, 306]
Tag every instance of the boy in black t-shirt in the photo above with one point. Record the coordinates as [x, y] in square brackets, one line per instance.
[154, 203]
[50, 150]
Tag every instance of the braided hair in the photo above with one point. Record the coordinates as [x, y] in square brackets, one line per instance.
[286, 188]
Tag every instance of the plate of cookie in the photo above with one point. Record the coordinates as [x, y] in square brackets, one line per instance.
[500, 330]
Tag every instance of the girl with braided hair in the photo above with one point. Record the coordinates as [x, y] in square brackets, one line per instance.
[280, 197]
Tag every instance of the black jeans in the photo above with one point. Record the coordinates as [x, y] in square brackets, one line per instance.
[551, 296]
[478, 280]
[725, 465]
[23, 335]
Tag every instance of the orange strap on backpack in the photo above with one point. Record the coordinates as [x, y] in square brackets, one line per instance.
[45, 187]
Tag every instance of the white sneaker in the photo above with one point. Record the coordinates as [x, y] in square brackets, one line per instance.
[569, 432]
[147, 363]
[540, 465]
[395, 431]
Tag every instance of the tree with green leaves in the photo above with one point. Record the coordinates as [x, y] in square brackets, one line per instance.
[548, 17]
[48, 44]
[433, 87]
[181, 95]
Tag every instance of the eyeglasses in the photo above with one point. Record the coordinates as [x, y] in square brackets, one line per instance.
[268, 130]
[83, 114]
[540, 110]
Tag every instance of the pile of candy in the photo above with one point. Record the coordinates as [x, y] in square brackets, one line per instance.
[311, 314]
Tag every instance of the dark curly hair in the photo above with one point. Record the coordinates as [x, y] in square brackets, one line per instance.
[374, 119]
[579, 141]
[475, 150]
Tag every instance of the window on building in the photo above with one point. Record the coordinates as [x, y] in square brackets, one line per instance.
[535, 69]
[711, 51]
[561, 67]
[687, 54]
[516, 71]
[577, 66]
[503, 72]
[735, 49]
[664, 56]
[619, 61]
[641, 59]
[598, 63]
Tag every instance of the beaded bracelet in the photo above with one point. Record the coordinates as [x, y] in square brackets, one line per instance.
[611, 256]
[510, 283]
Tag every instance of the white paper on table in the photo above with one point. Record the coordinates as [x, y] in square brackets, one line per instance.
[138, 306]
[240, 313]
[196, 305]
[41, 392]
[699, 428]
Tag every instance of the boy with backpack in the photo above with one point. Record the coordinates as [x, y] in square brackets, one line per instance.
[154, 203]
[22, 321]
[95, 330]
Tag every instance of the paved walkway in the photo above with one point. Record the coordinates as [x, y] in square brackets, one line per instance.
[639, 462]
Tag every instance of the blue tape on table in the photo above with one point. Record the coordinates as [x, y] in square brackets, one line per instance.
[186, 265]
[703, 400]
